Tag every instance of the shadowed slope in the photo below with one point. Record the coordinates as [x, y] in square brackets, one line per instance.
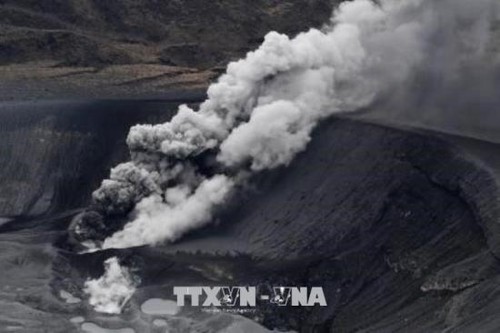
[398, 227]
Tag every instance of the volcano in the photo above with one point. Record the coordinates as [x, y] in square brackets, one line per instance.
[399, 226]
[346, 176]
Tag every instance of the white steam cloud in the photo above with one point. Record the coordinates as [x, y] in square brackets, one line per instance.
[261, 112]
[173, 215]
[110, 292]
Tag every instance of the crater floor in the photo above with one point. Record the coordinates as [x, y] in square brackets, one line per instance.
[398, 226]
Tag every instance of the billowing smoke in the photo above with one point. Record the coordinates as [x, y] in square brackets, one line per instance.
[167, 218]
[405, 55]
[261, 112]
[455, 88]
[110, 292]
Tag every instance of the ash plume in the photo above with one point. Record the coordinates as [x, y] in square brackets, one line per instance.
[261, 112]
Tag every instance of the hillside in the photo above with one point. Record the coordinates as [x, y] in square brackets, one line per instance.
[128, 47]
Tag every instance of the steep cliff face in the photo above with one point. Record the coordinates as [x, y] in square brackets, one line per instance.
[400, 228]
[54, 154]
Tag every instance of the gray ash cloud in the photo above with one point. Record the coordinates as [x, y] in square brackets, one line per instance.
[261, 112]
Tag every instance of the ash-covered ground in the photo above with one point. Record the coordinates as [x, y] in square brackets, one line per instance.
[360, 157]
[398, 226]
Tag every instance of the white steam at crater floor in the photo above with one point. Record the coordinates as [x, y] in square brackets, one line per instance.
[172, 216]
[110, 292]
[261, 112]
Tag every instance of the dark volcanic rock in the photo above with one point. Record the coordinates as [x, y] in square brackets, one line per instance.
[397, 227]
[54, 154]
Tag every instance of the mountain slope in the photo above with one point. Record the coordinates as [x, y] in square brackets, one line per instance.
[400, 228]
[192, 33]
